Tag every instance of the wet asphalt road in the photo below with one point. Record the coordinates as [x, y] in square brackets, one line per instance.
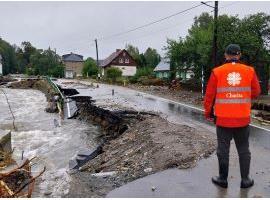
[191, 182]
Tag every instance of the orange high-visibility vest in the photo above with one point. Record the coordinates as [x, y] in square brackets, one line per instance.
[233, 95]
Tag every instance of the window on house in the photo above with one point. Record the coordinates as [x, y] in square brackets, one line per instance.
[120, 60]
[126, 60]
[124, 54]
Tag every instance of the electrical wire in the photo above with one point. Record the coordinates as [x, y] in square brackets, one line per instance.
[153, 33]
[149, 24]
[86, 43]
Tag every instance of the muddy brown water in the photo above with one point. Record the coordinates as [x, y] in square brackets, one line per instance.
[191, 182]
[45, 135]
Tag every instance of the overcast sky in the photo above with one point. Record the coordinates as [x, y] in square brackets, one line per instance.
[72, 26]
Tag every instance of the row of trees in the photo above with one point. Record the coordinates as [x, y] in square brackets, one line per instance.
[150, 58]
[252, 33]
[30, 60]
[35, 61]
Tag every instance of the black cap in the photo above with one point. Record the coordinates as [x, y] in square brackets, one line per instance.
[233, 49]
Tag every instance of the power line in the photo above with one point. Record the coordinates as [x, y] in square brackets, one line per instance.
[85, 42]
[171, 27]
[149, 24]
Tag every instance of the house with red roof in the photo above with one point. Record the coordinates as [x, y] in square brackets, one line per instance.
[120, 59]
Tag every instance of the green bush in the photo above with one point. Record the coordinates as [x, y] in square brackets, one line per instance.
[94, 76]
[121, 81]
[145, 71]
[150, 81]
[89, 68]
[133, 79]
[113, 73]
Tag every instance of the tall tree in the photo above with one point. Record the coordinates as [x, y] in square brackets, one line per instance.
[89, 67]
[251, 33]
[151, 57]
[8, 55]
[134, 52]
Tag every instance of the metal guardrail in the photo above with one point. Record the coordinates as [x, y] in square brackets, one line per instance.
[67, 105]
[54, 86]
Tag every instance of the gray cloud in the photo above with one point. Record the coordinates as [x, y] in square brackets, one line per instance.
[72, 26]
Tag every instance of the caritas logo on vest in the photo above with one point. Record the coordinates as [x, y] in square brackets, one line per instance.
[234, 79]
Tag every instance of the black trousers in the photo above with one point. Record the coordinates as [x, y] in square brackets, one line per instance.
[241, 138]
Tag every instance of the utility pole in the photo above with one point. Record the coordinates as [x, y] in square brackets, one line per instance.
[214, 47]
[215, 35]
[99, 71]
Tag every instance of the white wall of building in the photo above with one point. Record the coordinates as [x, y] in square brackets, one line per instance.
[127, 70]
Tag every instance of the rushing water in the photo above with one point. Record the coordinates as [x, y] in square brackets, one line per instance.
[46, 136]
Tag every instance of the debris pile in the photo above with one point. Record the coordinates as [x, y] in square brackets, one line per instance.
[6, 79]
[150, 145]
[185, 96]
[18, 182]
[263, 117]
[261, 106]
[15, 180]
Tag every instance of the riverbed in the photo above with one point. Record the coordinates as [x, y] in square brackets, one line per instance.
[54, 141]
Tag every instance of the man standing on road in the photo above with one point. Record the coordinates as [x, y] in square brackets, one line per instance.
[229, 92]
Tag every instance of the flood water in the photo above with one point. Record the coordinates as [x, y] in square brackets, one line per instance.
[45, 135]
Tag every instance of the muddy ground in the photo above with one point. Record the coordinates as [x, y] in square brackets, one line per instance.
[185, 96]
[150, 144]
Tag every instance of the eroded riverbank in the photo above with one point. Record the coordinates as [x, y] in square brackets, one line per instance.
[45, 135]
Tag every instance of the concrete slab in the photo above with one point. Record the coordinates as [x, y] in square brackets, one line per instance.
[85, 152]
[72, 164]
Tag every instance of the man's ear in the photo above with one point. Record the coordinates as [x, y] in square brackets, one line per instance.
[240, 55]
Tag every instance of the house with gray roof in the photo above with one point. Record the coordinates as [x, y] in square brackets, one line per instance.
[73, 64]
[162, 70]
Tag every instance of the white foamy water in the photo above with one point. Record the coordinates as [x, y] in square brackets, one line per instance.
[38, 135]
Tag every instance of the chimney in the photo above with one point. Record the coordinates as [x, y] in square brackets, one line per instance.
[117, 50]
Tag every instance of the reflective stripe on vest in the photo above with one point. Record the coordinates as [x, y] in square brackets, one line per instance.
[233, 101]
[233, 89]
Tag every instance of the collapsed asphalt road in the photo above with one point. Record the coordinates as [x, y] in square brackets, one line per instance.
[192, 182]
